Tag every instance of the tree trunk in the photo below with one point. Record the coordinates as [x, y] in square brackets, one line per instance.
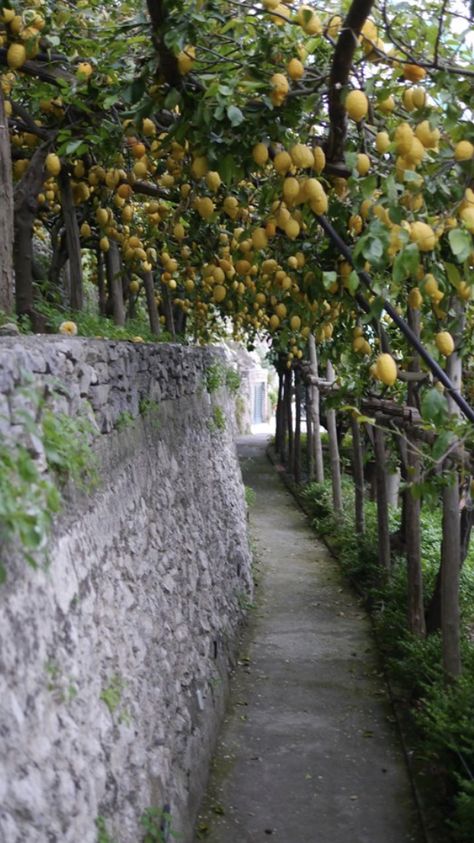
[7, 287]
[73, 243]
[101, 283]
[167, 311]
[297, 445]
[113, 266]
[315, 414]
[26, 207]
[383, 530]
[153, 315]
[358, 472]
[334, 452]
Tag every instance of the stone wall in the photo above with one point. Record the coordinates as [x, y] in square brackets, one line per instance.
[114, 658]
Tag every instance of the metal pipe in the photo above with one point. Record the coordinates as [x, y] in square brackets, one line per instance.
[436, 369]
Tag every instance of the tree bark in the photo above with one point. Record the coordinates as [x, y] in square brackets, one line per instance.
[102, 288]
[73, 243]
[167, 310]
[334, 452]
[153, 315]
[315, 414]
[383, 530]
[309, 435]
[358, 471]
[278, 414]
[7, 286]
[26, 207]
[113, 266]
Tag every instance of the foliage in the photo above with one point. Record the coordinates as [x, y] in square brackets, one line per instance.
[102, 833]
[157, 825]
[217, 422]
[250, 496]
[232, 380]
[111, 695]
[29, 497]
[442, 715]
[124, 419]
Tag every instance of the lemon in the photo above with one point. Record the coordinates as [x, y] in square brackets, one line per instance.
[382, 142]
[84, 70]
[282, 162]
[260, 154]
[387, 105]
[415, 299]
[386, 369]
[430, 285]
[302, 156]
[219, 293]
[213, 180]
[295, 323]
[295, 69]
[357, 105]
[16, 56]
[53, 164]
[291, 189]
[363, 164]
[319, 159]
[292, 229]
[259, 238]
[186, 59]
[413, 72]
[423, 235]
[444, 343]
[463, 151]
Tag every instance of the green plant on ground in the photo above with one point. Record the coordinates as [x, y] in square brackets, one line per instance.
[157, 825]
[100, 327]
[440, 716]
[250, 496]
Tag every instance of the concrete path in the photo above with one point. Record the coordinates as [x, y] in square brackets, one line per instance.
[308, 751]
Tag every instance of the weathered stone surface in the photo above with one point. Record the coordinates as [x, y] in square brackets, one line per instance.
[114, 659]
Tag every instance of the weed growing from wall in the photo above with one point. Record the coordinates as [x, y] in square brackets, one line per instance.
[30, 492]
[217, 422]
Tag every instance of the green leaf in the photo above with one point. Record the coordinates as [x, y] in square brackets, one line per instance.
[406, 263]
[328, 279]
[353, 281]
[235, 115]
[461, 244]
[442, 444]
[434, 407]
[454, 276]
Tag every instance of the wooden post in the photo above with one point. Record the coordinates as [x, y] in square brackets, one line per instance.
[334, 452]
[315, 415]
[289, 414]
[412, 509]
[358, 472]
[451, 546]
[296, 467]
[309, 435]
[383, 530]
[6, 216]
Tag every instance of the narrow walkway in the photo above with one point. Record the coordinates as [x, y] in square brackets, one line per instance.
[308, 752]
